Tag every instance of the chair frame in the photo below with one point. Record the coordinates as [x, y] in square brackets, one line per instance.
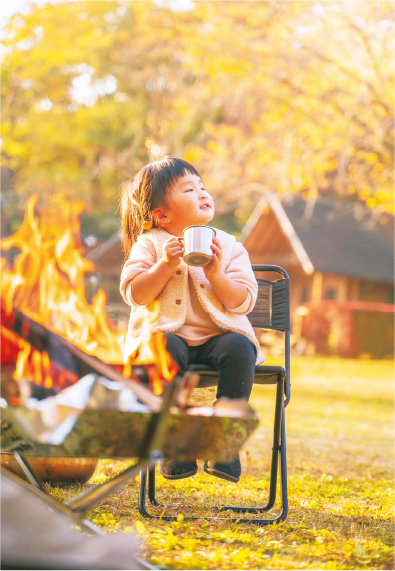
[263, 375]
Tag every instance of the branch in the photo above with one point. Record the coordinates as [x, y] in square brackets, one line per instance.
[348, 72]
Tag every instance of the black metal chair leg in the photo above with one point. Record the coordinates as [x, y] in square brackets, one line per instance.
[151, 488]
[278, 461]
[283, 472]
[276, 450]
[151, 491]
[142, 494]
[281, 458]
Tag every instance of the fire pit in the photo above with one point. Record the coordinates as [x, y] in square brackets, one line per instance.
[98, 418]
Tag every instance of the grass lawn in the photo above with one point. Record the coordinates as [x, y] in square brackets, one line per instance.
[340, 445]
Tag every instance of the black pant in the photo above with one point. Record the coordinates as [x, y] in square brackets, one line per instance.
[232, 354]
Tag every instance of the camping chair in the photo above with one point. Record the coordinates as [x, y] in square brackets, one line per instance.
[271, 311]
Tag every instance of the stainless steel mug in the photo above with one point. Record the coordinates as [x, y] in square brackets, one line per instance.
[197, 245]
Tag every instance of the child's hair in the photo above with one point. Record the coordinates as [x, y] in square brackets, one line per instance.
[148, 190]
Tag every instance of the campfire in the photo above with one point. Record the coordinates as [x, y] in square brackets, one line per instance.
[43, 297]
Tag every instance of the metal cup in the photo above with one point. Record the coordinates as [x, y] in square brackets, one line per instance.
[197, 245]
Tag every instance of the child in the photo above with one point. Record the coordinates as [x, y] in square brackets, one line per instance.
[202, 309]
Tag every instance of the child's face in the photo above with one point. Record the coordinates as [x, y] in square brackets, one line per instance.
[188, 204]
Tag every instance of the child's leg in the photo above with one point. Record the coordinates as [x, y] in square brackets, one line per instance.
[175, 469]
[179, 350]
[234, 356]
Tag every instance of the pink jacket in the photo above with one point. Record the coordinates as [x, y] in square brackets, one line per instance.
[173, 298]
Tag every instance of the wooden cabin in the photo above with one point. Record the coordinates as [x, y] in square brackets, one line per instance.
[335, 253]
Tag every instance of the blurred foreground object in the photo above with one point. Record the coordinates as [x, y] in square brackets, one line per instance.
[55, 470]
[37, 533]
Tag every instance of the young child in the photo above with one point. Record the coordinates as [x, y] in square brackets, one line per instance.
[202, 309]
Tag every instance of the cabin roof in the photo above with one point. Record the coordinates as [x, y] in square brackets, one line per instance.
[333, 237]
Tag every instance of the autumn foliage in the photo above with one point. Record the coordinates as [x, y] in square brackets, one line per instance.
[295, 97]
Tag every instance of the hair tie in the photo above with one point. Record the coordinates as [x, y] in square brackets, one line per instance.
[147, 225]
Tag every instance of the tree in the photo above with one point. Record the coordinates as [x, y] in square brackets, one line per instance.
[316, 114]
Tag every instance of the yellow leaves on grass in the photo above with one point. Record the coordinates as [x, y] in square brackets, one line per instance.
[140, 527]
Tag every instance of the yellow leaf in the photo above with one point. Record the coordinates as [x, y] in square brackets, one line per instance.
[240, 555]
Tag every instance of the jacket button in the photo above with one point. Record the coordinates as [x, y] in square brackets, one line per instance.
[178, 301]
[202, 285]
[178, 272]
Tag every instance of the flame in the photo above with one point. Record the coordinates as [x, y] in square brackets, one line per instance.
[46, 282]
[151, 349]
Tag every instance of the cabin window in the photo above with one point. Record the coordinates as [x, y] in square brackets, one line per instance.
[331, 293]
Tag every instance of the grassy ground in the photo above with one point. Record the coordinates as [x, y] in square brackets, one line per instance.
[340, 443]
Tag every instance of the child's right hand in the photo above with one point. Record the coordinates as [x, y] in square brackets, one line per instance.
[172, 251]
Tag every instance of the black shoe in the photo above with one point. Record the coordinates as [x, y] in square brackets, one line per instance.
[226, 470]
[173, 470]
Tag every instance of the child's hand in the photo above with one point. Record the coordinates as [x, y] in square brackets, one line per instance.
[231, 293]
[214, 269]
[172, 251]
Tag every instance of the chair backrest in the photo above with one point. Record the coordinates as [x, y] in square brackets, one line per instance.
[271, 309]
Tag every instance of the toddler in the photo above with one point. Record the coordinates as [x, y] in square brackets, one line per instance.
[202, 309]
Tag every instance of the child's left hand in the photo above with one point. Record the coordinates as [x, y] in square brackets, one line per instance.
[214, 269]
